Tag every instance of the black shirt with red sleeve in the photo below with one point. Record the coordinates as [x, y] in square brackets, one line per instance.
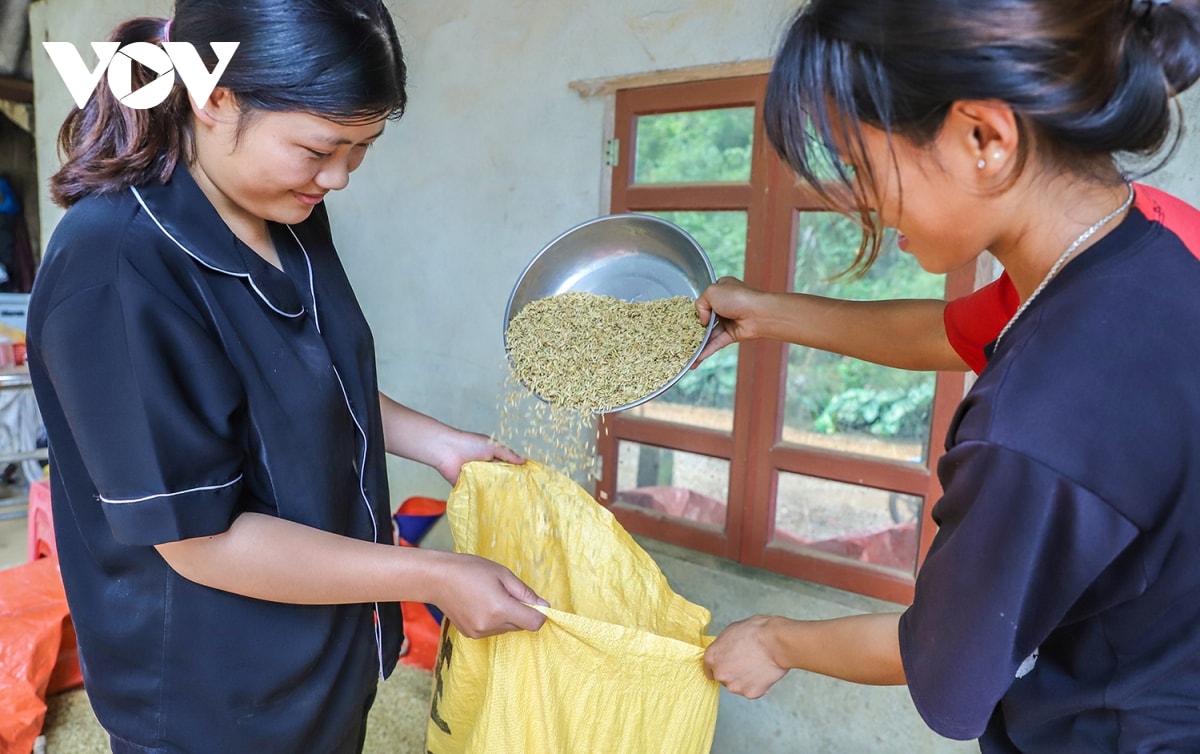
[1058, 609]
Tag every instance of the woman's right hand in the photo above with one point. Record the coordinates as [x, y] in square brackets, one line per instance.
[482, 598]
[743, 657]
[734, 304]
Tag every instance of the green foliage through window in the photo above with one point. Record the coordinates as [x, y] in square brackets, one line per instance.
[704, 146]
[832, 394]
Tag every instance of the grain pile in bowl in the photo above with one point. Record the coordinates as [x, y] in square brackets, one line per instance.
[583, 353]
[595, 353]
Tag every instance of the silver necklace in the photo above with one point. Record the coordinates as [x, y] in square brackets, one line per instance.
[1063, 259]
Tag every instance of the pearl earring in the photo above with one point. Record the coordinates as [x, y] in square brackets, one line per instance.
[981, 164]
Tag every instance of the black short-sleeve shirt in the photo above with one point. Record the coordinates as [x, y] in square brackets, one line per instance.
[1058, 609]
[183, 380]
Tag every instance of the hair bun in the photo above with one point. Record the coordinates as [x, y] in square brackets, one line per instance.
[1172, 28]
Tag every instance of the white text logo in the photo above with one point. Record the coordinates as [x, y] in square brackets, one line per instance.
[118, 61]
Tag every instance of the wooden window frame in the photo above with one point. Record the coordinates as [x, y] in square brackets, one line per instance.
[756, 455]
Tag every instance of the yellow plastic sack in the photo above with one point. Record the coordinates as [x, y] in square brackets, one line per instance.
[618, 665]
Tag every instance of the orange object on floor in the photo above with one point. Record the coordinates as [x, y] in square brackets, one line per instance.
[422, 622]
[34, 626]
[41, 544]
[423, 632]
[41, 521]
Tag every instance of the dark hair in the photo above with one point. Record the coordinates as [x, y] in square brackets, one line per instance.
[1086, 79]
[337, 59]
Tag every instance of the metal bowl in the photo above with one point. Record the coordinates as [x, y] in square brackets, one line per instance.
[629, 257]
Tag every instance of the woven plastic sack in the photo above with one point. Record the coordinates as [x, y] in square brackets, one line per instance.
[618, 665]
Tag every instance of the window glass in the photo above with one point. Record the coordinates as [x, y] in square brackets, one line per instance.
[704, 396]
[699, 146]
[845, 404]
[850, 521]
[673, 483]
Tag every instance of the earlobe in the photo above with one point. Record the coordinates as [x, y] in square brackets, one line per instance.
[990, 134]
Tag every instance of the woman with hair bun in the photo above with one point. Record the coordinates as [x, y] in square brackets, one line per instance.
[208, 385]
[1058, 609]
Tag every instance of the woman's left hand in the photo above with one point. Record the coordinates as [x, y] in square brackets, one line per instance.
[464, 447]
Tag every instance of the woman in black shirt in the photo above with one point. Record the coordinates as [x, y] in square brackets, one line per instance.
[209, 389]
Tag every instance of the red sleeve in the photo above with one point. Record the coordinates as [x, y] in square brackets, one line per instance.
[975, 320]
[1173, 214]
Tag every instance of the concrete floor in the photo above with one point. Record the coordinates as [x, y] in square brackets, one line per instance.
[13, 533]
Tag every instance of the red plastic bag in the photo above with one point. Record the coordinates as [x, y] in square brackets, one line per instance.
[33, 621]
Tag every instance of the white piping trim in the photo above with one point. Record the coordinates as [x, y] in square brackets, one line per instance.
[362, 484]
[312, 287]
[244, 275]
[118, 501]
